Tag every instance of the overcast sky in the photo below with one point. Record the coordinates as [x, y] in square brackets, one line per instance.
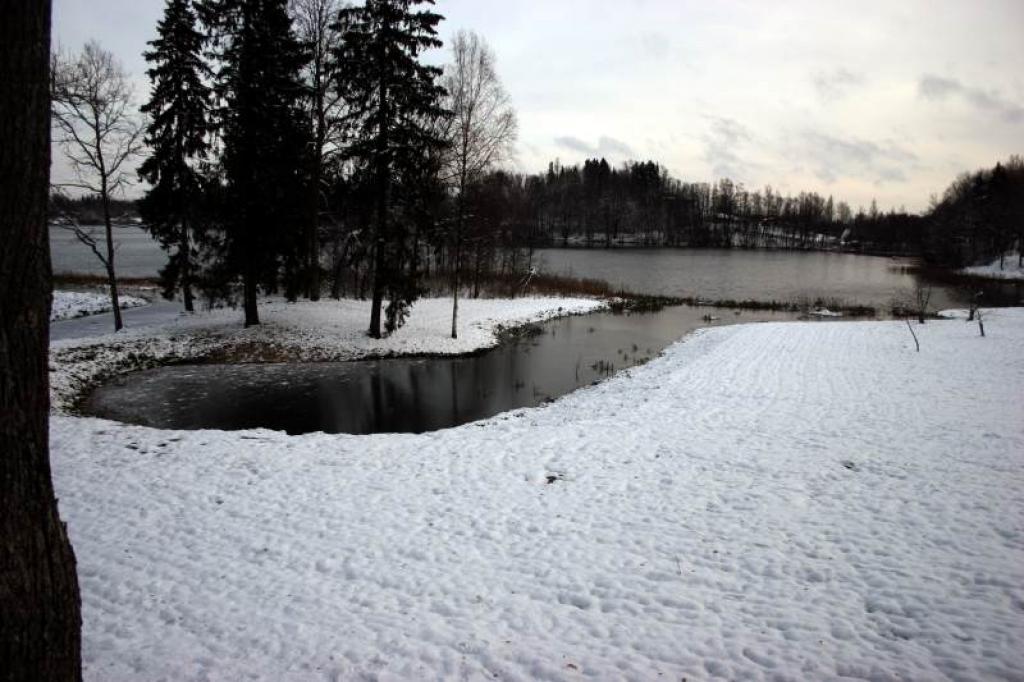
[888, 99]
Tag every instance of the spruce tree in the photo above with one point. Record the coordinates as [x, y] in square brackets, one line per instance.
[177, 135]
[265, 139]
[393, 100]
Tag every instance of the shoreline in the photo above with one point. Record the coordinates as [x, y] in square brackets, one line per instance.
[329, 331]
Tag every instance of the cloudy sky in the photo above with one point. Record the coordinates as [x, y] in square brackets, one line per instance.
[870, 99]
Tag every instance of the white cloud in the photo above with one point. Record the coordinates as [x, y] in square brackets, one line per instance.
[939, 88]
[605, 77]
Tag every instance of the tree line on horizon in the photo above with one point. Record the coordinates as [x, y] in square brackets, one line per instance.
[980, 216]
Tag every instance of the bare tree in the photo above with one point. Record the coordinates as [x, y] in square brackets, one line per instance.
[40, 608]
[922, 296]
[316, 26]
[481, 130]
[94, 116]
[917, 344]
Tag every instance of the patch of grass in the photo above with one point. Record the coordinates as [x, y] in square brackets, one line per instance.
[626, 302]
[799, 306]
[523, 331]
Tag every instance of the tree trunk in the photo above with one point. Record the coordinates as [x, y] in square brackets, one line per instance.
[455, 301]
[186, 268]
[40, 626]
[378, 290]
[249, 301]
[457, 256]
[379, 261]
[476, 272]
[313, 238]
[383, 179]
[111, 274]
[337, 271]
[378, 255]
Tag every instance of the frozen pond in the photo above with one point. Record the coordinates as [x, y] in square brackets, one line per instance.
[401, 394]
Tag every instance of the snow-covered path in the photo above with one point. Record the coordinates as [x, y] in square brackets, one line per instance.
[775, 501]
[100, 324]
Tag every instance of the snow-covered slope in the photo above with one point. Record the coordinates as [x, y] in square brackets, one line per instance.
[69, 304]
[774, 501]
[1010, 269]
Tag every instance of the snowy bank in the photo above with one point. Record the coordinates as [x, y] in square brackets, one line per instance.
[70, 304]
[306, 331]
[1010, 269]
[774, 501]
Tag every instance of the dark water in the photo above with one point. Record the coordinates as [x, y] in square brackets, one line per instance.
[738, 274]
[403, 394]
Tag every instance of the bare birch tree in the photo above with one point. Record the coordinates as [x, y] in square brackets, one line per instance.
[94, 117]
[316, 26]
[481, 130]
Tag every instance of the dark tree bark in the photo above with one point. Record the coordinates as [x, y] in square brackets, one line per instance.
[40, 621]
[108, 226]
[185, 276]
[249, 298]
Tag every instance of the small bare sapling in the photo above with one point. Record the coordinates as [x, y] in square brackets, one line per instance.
[911, 328]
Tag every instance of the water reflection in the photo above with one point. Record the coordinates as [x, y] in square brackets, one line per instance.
[765, 275]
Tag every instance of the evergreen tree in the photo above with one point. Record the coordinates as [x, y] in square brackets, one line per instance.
[265, 137]
[177, 135]
[393, 102]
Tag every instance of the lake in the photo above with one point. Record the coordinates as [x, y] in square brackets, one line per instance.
[763, 275]
[136, 253]
[715, 274]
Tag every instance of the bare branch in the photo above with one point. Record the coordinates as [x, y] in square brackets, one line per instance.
[94, 123]
[483, 127]
[93, 115]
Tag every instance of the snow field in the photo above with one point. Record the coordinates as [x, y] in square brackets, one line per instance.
[1010, 269]
[69, 304]
[772, 501]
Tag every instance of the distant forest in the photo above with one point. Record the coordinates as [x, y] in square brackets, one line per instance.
[88, 209]
[979, 217]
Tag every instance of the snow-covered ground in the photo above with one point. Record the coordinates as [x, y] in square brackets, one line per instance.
[305, 331]
[775, 501]
[1010, 269]
[69, 304]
